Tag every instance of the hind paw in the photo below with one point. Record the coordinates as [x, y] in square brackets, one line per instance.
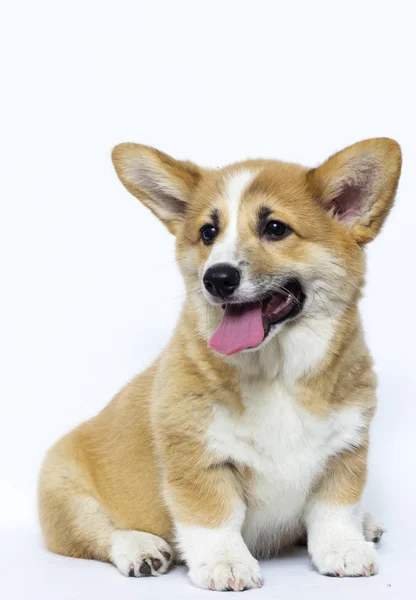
[372, 530]
[139, 554]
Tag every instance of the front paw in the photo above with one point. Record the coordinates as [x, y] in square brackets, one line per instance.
[227, 574]
[346, 558]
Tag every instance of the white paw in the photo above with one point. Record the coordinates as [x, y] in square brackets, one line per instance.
[346, 558]
[139, 554]
[372, 529]
[227, 575]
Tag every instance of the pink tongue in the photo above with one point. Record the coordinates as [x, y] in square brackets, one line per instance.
[240, 328]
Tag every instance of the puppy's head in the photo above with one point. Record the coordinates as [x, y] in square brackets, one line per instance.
[264, 244]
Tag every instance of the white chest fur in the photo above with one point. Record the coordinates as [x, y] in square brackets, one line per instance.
[286, 448]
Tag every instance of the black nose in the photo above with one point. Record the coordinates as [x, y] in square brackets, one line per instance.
[221, 280]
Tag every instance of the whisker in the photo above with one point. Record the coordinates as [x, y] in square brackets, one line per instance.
[326, 308]
[169, 262]
[181, 296]
[282, 288]
[206, 321]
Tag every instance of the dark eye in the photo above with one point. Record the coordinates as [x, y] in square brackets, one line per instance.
[208, 233]
[276, 230]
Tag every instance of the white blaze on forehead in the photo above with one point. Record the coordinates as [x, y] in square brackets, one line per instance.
[225, 249]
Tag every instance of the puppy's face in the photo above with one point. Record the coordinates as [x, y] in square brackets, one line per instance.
[263, 244]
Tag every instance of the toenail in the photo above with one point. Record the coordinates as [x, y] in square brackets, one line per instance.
[156, 563]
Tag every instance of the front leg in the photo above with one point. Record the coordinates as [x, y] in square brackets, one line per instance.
[217, 557]
[334, 521]
[206, 502]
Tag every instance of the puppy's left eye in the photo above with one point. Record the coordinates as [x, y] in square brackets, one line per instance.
[276, 230]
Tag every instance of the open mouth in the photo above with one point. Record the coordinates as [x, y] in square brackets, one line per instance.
[246, 325]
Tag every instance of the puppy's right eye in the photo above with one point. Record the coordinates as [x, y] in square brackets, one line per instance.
[208, 233]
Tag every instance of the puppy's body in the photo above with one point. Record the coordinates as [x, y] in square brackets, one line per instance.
[230, 457]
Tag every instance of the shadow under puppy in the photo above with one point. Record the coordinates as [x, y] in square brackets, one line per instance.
[251, 429]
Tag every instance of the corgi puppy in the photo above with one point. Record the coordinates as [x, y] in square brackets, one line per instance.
[250, 432]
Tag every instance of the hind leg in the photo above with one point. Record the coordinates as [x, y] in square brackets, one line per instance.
[75, 524]
[373, 531]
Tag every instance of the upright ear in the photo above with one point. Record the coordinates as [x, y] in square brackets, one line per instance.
[357, 185]
[162, 183]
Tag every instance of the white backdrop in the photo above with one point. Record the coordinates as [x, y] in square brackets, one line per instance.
[89, 286]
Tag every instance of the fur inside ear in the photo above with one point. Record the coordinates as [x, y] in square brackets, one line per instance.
[357, 185]
[162, 183]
